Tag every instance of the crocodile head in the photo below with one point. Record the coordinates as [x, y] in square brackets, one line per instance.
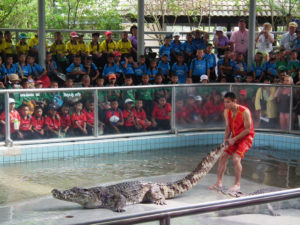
[81, 196]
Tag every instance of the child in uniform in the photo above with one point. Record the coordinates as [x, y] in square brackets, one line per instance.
[161, 114]
[79, 121]
[52, 122]
[38, 122]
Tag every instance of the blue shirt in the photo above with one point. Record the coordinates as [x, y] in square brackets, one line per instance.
[142, 69]
[26, 70]
[222, 61]
[187, 47]
[152, 73]
[296, 44]
[108, 70]
[258, 69]
[199, 67]
[237, 66]
[72, 66]
[211, 60]
[270, 67]
[119, 68]
[165, 50]
[175, 47]
[2, 72]
[163, 67]
[129, 69]
[198, 44]
[13, 69]
[181, 72]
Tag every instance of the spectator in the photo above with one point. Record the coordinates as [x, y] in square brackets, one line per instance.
[180, 112]
[199, 66]
[296, 44]
[146, 94]
[133, 38]
[59, 51]
[8, 49]
[24, 68]
[79, 121]
[37, 72]
[239, 39]
[2, 45]
[52, 122]
[164, 67]
[65, 120]
[33, 44]
[94, 49]
[188, 49]
[175, 46]
[180, 68]
[115, 93]
[76, 69]
[81, 46]
[214, 107]
[51, 67]
[124, 45]
[204, 78]
[211, 60]
[91, 69]
[14, 81]
[140, 69]
[161, 114]
[9, 68]
[38, 122]
[153, 70]
[90, 117]
[129, 117]
[269, 68]
[265, 40]
[221, 42]
[129, 93]
[294, 65]
[287, 39]
[108, 45]
[240, 67]
[2, 75]
[140, 116]
[244, 100]
[72, 46]
[281, 62]
[109, 67]
[283, 98]
[165, 49]
[257, 66]
[114, 118]
[22, 46]
[129, 65]
[25, 131]
[198, 41]
[191, 111]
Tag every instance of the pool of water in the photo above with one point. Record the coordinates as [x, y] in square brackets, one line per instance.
[35, 179]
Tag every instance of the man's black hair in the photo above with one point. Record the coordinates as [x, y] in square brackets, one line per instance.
[95, 34]
[230, 95]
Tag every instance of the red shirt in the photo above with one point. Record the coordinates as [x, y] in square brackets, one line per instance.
[12, 116]
[65, 120]
[38, 124]
[181, 113]
[54, 124]
[140, 115]
[237, 123]
[90, 116]
[128, 118]
[162, 113]
[25, 123]
[112, 112]
[213, 109]
[81, 119]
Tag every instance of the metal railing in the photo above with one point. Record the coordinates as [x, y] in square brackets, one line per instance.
[164, 216]
[175, 128]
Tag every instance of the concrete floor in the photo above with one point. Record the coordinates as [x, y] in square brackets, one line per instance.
[48, 210]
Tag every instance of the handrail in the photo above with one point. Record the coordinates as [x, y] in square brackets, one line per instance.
[165, 215]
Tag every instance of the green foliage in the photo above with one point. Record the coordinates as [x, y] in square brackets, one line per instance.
[61, 14]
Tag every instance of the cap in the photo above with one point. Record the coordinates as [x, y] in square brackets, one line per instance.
[198, 98]
[238, 77]
[219, 29]
[117, 53]
[11, 100]
[203, 77]
[22, 36]
[243, 92]
[293, 24]
[74, 34]
[52, 106]
[107, 33]
[13, 77]
[176, 34]
[38, 82]
[128, 100]
[112, 76]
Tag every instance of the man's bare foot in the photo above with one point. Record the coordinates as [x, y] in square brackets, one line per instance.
[216, 186]
[235, 188]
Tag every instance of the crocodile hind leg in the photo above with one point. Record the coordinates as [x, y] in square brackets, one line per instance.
[155, 195]
[117, 202]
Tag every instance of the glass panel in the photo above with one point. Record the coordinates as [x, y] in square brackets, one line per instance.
[200, 107]
[274, 213]
[2, 113]
[296, 109]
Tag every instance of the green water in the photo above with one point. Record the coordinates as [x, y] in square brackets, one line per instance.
[25, 181]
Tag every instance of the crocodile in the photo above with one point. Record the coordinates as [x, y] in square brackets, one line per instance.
[117, 196]
[268, 208]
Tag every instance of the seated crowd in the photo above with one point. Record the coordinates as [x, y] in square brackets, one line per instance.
[109, 64]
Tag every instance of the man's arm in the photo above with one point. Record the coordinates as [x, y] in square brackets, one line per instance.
[246, 131]
[227, 127]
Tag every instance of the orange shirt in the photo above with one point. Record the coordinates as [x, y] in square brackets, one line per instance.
[237, 123]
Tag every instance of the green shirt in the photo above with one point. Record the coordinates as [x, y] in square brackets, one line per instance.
[145, 94]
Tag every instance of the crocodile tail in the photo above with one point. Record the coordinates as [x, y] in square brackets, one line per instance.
[171, 190]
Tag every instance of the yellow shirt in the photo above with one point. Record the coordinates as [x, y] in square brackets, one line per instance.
[2, 46]
[269, 97]
[58, 48]
[72, 48]
[34, 42]
[124, 46]
[8, 47]
[22, 48]
[82, 47]
[111, 47]
[94, 49]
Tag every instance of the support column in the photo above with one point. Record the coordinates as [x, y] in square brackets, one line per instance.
[41, 32]
[251, 38]
[140, 30]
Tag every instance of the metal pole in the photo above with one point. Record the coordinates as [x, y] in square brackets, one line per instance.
[96, 120]
[41, 33]
[291, 110]
[173, 118]
[251, 39]
[8, 141]
[140, 30]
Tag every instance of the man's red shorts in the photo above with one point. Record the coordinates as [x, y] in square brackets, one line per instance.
[240, 147]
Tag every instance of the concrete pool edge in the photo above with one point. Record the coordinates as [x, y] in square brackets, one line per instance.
[37, 152]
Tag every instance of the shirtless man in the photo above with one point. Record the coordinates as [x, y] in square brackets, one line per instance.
[239, 134]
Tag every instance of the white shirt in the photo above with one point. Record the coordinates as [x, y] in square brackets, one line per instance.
[287, 40]
[264, 44]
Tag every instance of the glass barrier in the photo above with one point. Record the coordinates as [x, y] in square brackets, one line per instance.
[296, 109]
[200, 106]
